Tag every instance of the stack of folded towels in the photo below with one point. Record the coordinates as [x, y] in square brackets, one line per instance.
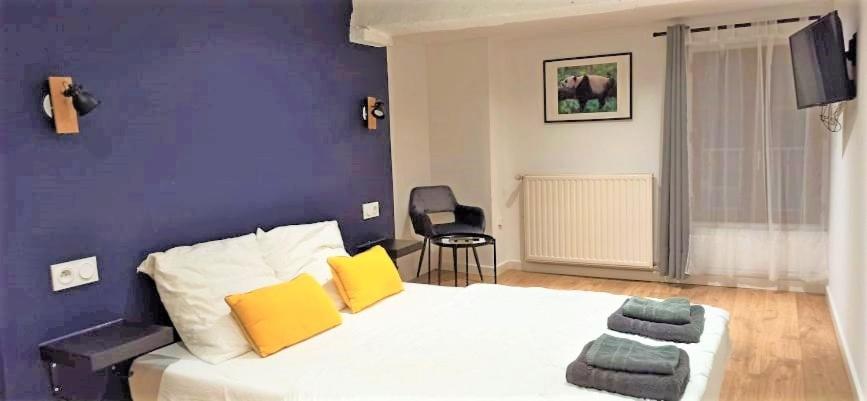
[630, 368]
[673, 319]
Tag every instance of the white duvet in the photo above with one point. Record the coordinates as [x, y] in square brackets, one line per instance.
[484, 342]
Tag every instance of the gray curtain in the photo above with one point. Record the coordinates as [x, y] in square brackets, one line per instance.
[674, 198]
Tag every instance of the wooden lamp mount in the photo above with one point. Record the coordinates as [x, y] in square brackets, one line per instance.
[62, 111]
[372, 109]
[371, 122]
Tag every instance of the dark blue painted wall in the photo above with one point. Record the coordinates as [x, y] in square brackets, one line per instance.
[217, 117]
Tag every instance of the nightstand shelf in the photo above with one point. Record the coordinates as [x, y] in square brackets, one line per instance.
[396, 248]
[93, 350]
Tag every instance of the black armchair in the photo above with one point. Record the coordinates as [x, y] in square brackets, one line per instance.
[471, 216]
[439, 199]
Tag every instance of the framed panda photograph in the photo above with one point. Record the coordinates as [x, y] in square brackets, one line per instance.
[590, 88]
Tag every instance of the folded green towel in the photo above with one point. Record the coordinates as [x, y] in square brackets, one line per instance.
[672, 310]
[681, 333]
[639, 385]
[620, 354]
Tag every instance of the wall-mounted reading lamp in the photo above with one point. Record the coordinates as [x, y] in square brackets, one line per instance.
[372, 110]
[66, 101]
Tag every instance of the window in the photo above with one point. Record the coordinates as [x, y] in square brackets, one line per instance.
[754, 157]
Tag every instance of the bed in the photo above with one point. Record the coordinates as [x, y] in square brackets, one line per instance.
[483, 342]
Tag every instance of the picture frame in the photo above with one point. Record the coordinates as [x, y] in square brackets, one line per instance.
[588, 88]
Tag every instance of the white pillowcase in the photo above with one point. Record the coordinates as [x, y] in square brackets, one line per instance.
[194, 280]
[304, 248]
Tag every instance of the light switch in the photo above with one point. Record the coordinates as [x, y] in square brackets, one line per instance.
[370, 210]
[74, 273]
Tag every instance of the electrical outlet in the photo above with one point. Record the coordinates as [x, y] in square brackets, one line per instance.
[74, 273]
[370, 210]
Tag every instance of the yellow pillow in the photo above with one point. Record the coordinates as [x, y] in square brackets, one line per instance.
[366, 278]
[278, 316]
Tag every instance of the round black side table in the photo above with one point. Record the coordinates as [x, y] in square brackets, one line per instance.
[465, 242]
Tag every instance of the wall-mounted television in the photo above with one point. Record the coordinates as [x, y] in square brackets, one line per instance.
[819, 62]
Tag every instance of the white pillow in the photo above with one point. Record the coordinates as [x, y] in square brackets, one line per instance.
[304, 248]
[194, 280]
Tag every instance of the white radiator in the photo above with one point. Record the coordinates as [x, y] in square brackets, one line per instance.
[589, 220]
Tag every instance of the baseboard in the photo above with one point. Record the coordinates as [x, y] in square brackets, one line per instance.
[619, 273]
[645, 274]
[847, 356]
[502, 267]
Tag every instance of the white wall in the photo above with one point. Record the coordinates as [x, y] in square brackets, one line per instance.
[459, 124]
[525, 144]
[847, 286]
[440, 130]
[486, 124]
[410, 139]
[460, 134]
[485, 121]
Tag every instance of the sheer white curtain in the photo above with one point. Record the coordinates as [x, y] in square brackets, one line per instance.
[759, 167]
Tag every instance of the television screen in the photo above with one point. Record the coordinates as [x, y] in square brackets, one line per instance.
[819, 62]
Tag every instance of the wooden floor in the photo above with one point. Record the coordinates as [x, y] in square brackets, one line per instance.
[783, 344]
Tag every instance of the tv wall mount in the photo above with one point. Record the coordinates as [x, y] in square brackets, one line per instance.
[851, 54]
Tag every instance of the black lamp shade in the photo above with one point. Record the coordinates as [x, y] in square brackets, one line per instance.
[378, 111]
[83, 101]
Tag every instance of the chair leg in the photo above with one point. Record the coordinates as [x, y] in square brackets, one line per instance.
[421, 258]
[478, 265]
[495, 263]
[428, 261]
[467, 266]
[439, 266]
[455, 263]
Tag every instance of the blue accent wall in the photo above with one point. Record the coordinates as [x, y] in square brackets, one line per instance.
[218, 117]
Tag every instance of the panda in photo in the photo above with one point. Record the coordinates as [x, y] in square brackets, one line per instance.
[585, 88]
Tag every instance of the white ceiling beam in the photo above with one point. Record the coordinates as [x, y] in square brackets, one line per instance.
[377, 22]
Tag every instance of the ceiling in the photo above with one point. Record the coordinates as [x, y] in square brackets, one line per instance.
[378, 22]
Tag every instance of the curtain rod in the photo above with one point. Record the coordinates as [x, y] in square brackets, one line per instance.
[741, 25]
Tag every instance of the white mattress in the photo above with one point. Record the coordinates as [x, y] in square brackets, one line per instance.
[484, 342]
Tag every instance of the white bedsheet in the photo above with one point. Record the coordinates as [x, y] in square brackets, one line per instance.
[484, 342]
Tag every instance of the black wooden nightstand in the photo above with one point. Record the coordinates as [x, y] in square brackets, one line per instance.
[76, 362]
[396, 248]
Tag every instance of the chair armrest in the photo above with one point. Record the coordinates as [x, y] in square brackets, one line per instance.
[421, 223]
[470, 215]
